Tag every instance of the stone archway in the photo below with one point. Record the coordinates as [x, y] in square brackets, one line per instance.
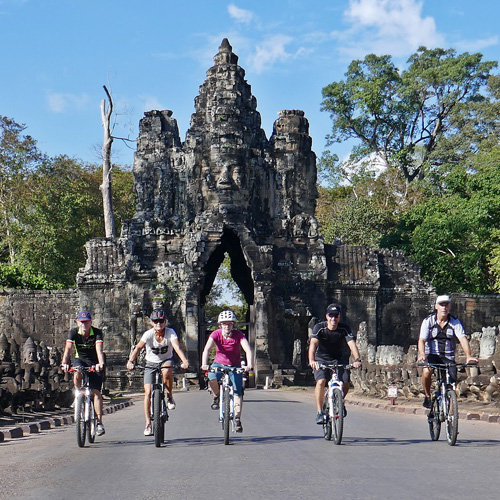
[229, 188]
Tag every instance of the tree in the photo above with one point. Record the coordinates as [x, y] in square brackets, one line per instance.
[105, 187]
[19, 156]
[401, 117]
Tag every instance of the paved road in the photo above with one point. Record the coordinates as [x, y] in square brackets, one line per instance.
[281, 455]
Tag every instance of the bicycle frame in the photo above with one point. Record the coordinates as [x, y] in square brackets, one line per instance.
[226, 407]
[158, 407]
[85, 418]
[444, 403]
[333, 405]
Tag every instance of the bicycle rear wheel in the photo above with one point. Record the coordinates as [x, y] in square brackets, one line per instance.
[80, 420]
[433, 420]
[227, 414]
[451, 416]
[327, 421]
[338, 416]
[91, 424]
[157, 420]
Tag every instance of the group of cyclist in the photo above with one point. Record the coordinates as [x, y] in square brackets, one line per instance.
[331, 341]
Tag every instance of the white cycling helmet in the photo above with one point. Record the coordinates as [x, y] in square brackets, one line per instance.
[226, 316]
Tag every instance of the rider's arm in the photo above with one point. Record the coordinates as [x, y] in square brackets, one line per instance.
[100, 355]
[355, 352]
[421, 349]
[206, 353]
[137, 349]
[313, 345]
[68, 346]
[248, 352]
[180, 353]
[466, 347]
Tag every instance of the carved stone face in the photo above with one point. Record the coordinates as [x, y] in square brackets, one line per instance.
[29, 351]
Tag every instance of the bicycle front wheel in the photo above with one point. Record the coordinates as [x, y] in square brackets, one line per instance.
[91, 424]
[338, 416]
[451, 414]
[433, 420]
[80, 420]
[157, 420]
[227, 414]
[327, 421]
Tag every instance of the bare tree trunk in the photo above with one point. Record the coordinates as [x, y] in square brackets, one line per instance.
[105, 187]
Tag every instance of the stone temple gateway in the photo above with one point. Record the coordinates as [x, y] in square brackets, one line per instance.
[229, 189]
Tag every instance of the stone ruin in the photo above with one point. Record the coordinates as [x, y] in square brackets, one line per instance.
[227, 188]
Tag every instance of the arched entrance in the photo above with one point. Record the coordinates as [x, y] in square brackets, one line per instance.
[241, 274]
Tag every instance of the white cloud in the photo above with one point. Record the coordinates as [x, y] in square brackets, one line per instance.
[271, 51]
[60, 102]
[396, 27]
[151, 103]
[240, 15]
[477, 45]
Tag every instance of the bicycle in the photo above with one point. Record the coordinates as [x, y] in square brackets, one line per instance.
[333, 405]
[159, 412]
[444, 403]
[226, 411]
[85, 416]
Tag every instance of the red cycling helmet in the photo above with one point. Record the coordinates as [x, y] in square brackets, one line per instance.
[158, 314]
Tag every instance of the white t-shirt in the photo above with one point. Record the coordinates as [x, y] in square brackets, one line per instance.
[156, 352]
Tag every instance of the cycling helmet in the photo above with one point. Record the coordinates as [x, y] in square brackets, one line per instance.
[158, 314]
[226, 316]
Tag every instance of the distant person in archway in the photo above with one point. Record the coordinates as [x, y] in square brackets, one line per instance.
[228, 343]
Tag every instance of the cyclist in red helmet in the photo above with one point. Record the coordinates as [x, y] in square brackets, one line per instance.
[160, 342]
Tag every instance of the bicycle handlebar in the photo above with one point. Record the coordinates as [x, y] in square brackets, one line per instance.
[332, 366]
[445, 365]
[91, 369]
[218, 369]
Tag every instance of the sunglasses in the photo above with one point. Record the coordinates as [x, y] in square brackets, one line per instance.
[158, 321]
[333, 315]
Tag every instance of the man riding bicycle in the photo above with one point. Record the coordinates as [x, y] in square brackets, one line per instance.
[88, 342]
[327, 345]
[438, 340]
[160, 342]
[228, 343]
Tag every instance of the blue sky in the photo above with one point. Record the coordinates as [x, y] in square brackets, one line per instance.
[57, 54]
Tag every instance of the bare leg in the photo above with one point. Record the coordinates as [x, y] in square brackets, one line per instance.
[98, 406]
[214, 385]
[238, 403]
[147, 403]
[319, 394]
[426, 381]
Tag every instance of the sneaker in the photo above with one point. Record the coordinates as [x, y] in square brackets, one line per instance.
[148, 431]
[237, 425]
[215, 403]
[100, 430]
[427, 402]
[319, 418]
[170, 403]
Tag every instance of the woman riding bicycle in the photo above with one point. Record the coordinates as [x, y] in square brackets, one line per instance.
[160, 342]
[228, 343]
[438, 340]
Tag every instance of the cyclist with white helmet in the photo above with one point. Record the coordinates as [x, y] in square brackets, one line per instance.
[228, 343]
[160, 342]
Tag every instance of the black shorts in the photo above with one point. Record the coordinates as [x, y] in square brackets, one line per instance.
[435, 358]
[95, 378]
[321, 373]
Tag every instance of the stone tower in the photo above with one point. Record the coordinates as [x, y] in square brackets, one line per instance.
[227, 189]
